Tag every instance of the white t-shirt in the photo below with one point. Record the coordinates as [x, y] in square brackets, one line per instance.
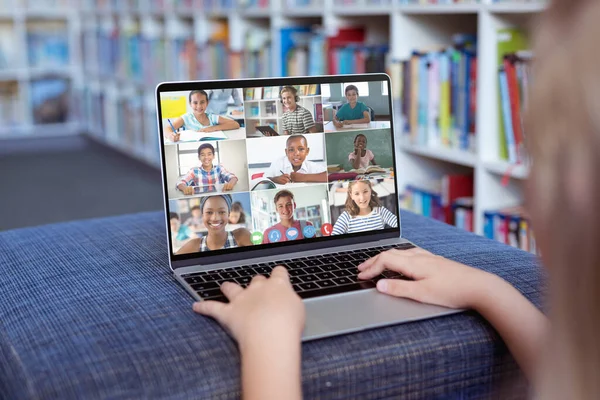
[283, 164]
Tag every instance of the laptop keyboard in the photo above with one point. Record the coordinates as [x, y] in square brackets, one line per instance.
[319, 275]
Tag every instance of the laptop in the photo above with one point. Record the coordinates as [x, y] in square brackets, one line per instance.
[304, 225]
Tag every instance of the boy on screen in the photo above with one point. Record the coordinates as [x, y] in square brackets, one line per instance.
[288, 227]
[294, 167]
[206, 174]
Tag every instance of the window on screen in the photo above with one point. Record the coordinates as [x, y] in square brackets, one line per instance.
[363, 87]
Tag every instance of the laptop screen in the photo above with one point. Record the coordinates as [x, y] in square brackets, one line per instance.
[258, 165]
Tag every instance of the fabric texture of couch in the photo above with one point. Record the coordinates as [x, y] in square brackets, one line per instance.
[90, 310]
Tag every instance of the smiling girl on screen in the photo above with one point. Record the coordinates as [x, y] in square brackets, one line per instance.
[198, 119]
[363, 211]
[215, 215]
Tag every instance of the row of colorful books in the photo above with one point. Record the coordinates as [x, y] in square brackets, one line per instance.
[510, 226]
[306, 50]
[7, 48]
[11, 110]
[451, 201]
[436, 199]
[514, 76]
[11, 4]
[439, 95]
[47, 44]
[121, 120]
[49, 102]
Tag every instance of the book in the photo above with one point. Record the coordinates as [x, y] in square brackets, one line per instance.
[343, 37]
[334, 168]
[371, 169]
[356, 126]
[509, 40]
[195, 136]
[454, 187]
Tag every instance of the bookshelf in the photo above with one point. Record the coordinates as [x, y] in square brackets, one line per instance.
[203, 39]
[38, 87]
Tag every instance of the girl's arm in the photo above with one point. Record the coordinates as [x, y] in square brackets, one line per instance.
[355, 162]
[447, 283]
[266, 319]
[225, 124]
[341, 225]
[389, 217]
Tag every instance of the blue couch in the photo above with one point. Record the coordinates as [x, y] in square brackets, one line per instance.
[90, 310]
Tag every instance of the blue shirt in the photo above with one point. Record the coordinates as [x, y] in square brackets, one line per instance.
[348, 113]
[193, 124]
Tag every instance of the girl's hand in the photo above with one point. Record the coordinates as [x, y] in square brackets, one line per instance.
[266, 305]
[437, 280]
[346, 122]
[207, 129]
[176, 137]
[228, 186]
[338, 124]
[188, 190]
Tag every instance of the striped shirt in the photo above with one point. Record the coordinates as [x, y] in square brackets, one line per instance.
[377, 219]
[229, 243]
[217, 174]
[298, 121]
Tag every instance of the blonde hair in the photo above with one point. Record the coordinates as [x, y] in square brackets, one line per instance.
[351, 207]
[563, 138]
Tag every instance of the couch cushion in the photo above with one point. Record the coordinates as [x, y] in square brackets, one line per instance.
[90, 310]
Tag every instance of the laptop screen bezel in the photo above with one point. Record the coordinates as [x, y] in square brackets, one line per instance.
[272, 249]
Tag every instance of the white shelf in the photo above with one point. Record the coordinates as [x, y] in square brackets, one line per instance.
[45, 130]
[504, 168]
[303, 12]
[12, 74]
[256, 13]
[517, 8]
[455, 156]
[440, 8]
[362, 10]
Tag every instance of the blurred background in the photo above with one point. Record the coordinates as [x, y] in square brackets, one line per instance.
[78, 131]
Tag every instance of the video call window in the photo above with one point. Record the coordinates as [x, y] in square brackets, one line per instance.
[262, 165]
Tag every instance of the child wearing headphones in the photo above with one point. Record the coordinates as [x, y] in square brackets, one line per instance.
[361, 157]
[364, 211]
[296, 119]
[285, 206]
[353, 112]
[199, 120]
[215, 216]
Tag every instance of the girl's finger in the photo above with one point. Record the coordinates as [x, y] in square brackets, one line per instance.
[230, 290]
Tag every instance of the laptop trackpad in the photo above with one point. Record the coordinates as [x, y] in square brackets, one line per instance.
[356, 311]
